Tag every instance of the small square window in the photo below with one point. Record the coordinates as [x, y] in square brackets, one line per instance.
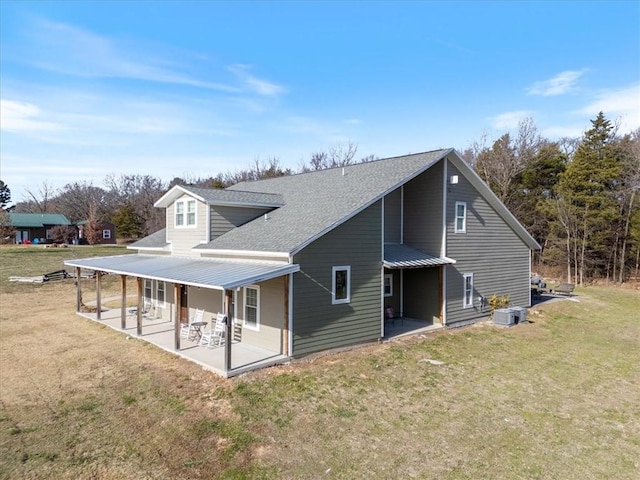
[461, 217]
[341, 285]
[388, 285]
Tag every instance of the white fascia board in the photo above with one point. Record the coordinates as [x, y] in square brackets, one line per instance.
[247, 254]
[176, 192]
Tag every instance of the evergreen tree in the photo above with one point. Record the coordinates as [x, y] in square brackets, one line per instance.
[5, 194]
[587, 191]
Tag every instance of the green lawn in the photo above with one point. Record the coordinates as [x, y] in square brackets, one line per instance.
[558, 398]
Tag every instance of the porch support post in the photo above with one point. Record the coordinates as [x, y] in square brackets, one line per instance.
[176, 314]
[140, 307]
[228, 298]
[98, 294]
[123, 302]
[78, 290]
[285, 329]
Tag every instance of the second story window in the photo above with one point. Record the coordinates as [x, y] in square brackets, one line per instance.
[461, 217]
[185, 213]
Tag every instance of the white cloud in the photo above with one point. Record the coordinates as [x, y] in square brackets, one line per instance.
[71, 50]
[509, 120]
[255, 84]
[23, 117]
[562, 83]
[622, 104]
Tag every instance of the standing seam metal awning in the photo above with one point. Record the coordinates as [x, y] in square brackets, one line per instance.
[197, 272]
[397, 255]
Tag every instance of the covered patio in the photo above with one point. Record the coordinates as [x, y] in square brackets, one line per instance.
[160, 332]
[233, 357]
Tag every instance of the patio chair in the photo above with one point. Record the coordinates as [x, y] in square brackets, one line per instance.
[147, 306]
[186, 330]
[215, 336]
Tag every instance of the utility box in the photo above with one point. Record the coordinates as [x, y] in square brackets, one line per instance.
[504, 316]
[519, 314]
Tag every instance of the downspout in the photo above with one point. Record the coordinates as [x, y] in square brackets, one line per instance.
[402, 242]
[290, 339]
[443, 250]
[382, 234]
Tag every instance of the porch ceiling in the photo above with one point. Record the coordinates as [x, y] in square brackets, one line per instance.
[398, 255]
[198, 272]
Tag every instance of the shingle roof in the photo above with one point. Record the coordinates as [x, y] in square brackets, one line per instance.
[216, 196]
[316, 202]
[155, 240]
[37, 220]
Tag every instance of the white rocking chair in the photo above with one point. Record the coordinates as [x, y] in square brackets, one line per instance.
[215, 336]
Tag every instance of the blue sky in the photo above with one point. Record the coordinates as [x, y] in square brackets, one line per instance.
[196, 88]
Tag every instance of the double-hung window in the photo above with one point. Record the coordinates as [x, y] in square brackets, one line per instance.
[185, 213]
[252, 308]
[106, 233]
[468, 290]
[461, 217]
[341, 284]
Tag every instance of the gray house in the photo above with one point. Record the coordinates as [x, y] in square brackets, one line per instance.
[315, 261]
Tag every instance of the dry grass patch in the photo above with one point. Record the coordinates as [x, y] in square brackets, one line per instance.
[557, 398]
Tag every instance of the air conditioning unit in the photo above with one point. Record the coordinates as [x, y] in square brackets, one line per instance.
[519, 314]
[504, 316]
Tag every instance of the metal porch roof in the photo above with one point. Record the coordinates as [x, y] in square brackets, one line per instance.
[198, 272]
[397, 255]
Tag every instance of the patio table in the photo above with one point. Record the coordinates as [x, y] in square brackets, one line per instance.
[197, 330]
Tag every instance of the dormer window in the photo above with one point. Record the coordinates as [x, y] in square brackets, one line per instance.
[185, 213]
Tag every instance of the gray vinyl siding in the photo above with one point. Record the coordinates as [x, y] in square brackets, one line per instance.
[490, 250]
[393, 216]
[423, 211]
[317, 323]
[422, 294]
[225, 218]
[183, 239]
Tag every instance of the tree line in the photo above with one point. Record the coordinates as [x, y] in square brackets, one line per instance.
[578, 197]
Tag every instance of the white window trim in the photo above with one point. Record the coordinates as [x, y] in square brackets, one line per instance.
[255, 327]
[464, 218]
[106, 234]
[335, 301]
[159, 303]
[464, 291]
[390, 277]
[185, 213]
